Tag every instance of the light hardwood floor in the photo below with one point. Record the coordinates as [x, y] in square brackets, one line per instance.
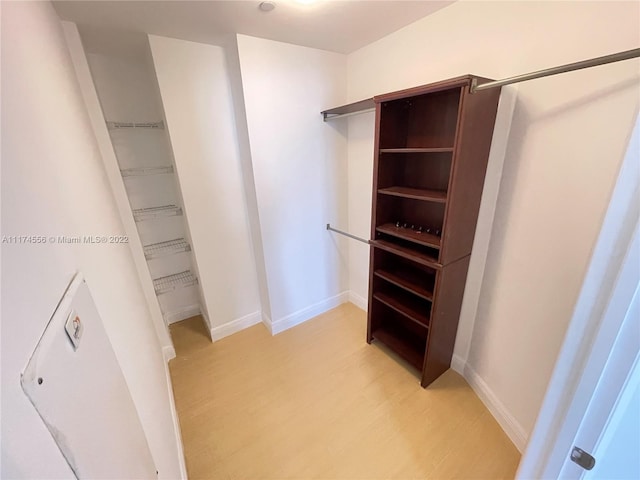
[317, 402]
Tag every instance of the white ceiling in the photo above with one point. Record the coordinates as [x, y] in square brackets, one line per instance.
[335, 25]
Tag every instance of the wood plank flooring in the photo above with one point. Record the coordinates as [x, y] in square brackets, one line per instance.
[317, 402]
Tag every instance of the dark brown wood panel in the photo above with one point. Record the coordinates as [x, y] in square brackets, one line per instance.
[471, 155]
[462, 81]
[416, 170]
[408, 253]
[445, 314]
[372, 321]
[401, 343]
[426, 239]
[409, 306]
[406, 281]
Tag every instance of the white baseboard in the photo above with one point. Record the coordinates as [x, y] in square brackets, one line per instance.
[168, 353]
[307, 313]
[182, 314]
[358, 301]
[509, 424]
[176, 423]
[206, 318]
[229, 328]
[266, 320]
[458, 364]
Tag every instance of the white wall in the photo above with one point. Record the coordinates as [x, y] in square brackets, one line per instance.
[360, 180]
[53, 183]
[196, 95]
[567, 140]
[300, 170]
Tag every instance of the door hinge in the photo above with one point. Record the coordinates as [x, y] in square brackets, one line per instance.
[582, 458]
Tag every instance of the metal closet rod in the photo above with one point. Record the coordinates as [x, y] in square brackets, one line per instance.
[570, 67]
[329, 227]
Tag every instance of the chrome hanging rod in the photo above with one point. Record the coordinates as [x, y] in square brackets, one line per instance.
[342, 115]
[570, 67]
[329, 227]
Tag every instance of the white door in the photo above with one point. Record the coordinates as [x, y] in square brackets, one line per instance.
[610, 429]
[618, 448]
[592, 398]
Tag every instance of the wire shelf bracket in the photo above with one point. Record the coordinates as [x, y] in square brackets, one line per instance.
[164, 249]
[143, 214]
[140, 125]
[143, 171]
[173, 282]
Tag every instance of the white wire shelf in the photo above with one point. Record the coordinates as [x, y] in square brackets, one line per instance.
[163, 249]
[173, 282]
[142, 214]
[143, 125]
[140, 171]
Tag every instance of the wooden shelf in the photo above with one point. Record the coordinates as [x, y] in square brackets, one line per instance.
[418, 257]
[426, 239]
[437, 196]
[408, 282]
[417, 150]
[409, 311]
[401, 343]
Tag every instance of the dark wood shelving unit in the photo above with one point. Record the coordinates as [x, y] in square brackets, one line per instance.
[417, 150]
[401, 251]
[438, 196]
[410, 235]
[412, 312]
[401, 343]
[407, 282]
[431, 150]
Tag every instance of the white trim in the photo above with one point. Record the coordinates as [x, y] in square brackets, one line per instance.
[358, 301]
[176, 423]
[458, 364]
[307, 313]
[168, 353]
[560, 416]
[183, 313]
[206, 318]
[266, 320]
[234, 326]
[508, 422]
[486, 215]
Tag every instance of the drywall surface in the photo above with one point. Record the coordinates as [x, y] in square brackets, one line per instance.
[360, 181]
[54, 184]
[300, 171]
[196, 96]
[568, 137]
